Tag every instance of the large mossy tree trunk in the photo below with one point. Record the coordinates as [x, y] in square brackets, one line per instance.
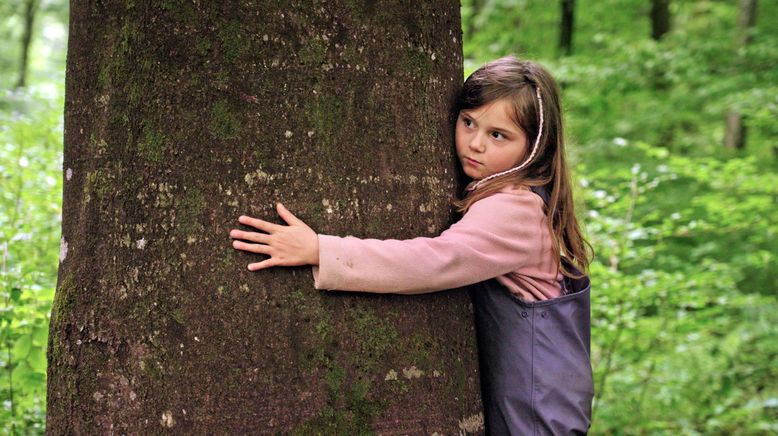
[181, 116]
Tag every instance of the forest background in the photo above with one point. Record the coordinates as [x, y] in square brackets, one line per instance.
[685, 317]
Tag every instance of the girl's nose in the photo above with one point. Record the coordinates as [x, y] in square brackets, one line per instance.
[477, 143]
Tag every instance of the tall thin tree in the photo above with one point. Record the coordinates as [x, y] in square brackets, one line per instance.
[30, 10]
[660, 18]
[735, 127]
[566, 27]
[181, 116]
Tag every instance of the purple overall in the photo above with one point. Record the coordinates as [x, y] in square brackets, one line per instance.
[536, 374]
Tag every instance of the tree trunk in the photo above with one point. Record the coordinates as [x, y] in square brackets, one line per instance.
[477, 6]
[566, 27]
[735, 129]
[30, 8]
[746, 22]
[179, 117]
[660, 18]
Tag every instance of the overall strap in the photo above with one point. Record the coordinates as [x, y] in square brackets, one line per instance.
[542, 192]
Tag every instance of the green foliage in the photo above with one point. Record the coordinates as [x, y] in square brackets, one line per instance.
[30, 220]
[47, 48]
[684, 313]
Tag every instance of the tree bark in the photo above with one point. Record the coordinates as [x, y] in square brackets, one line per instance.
[179, 117]
[30, 8]
[660, 18]
[566, 27]
[735, 128]
[735, 131]
[746, 22]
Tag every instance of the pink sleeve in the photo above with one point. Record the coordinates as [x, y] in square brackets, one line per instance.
[497, 235]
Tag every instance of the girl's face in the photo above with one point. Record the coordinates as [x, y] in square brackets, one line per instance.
[488, 141]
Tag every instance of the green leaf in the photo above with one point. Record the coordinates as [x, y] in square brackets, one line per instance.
[37, 359]
[16, 294]
[22, 347]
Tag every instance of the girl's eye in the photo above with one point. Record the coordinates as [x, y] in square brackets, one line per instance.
[467, 121]
[498, 135]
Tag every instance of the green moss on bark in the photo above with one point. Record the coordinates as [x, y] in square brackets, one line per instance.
[325, 114]
[189, 209]
[313, 53]
[65, 295]
[375, 337]
[182, 11]
[233, 41]
[203, 46]
[64, 302]
[418, 347]
[152, 143]
[416, 63]
[99, 183]
[224, 121]
[349, 410]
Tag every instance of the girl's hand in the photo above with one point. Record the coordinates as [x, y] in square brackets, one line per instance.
[292, 245]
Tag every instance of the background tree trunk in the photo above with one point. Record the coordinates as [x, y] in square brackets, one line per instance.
[566, 27]
[179, 117]
[477, 6]
[734, 127]
[746, 22]
[660, 18]
[30, 8]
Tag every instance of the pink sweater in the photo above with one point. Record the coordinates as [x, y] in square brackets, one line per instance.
[504, 235]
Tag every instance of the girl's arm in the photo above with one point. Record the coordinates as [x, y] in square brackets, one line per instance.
[499, 234]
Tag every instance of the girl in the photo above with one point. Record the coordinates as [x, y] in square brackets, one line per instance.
[518, 244]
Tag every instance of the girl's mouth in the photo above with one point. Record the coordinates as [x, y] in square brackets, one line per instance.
[472, 161]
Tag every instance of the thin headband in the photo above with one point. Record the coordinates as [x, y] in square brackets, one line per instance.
[531, 155]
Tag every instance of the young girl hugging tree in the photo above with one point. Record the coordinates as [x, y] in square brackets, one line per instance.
[518, 246]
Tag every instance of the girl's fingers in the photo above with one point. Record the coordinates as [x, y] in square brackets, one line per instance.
[259, 224]
[267, 263]
[263, 238]
[287, 216]
[254, 248]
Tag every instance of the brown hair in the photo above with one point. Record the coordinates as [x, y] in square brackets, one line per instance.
[516, 80]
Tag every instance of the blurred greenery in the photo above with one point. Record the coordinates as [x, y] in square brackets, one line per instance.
[684, 300]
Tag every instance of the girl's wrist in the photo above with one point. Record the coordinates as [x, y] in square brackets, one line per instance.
[315, 257]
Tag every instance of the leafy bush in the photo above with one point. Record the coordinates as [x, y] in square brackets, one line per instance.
[684, 310]
[30, 220]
